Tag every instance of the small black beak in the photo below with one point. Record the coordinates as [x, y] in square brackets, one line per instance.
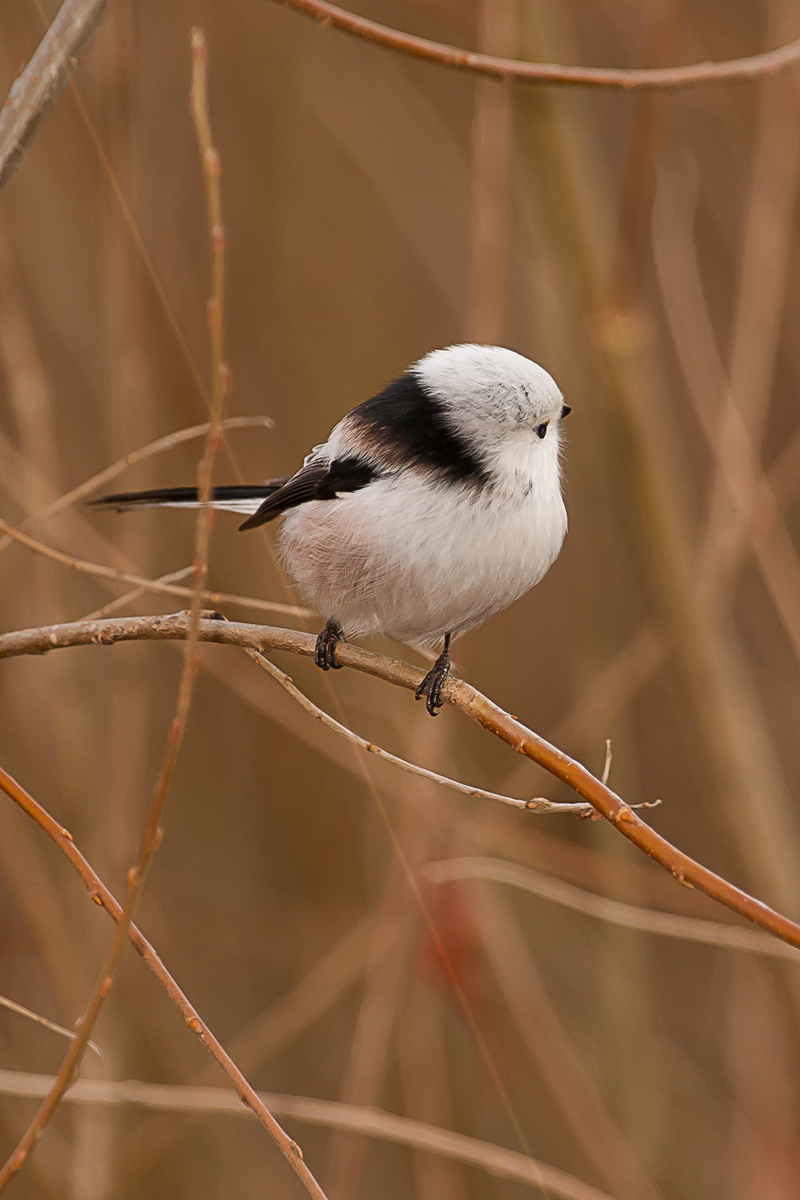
[565, 411]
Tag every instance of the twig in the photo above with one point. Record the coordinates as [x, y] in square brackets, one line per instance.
[538, 805]
[121, 602]
[36, 90]
[101, 895]
[458, 693]
[86, 1023]
[305, 1002]
[104, 477]
[12, 1006]
[151, 838]
[149, 585]
[607, 763]
[372, 1122]
[614, 912]
[655, 79]
[220, 373]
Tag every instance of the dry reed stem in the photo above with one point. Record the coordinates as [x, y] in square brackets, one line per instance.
[571, 1086]
[151, 838]
[768, 227]
[490, 154]
[661, 78]
[38, 1019]
[101, 895]
[153, 832]
[151, 450]
[396, 925]
[425, 1069]
[722, 423]
[371, 1122]
[40, 84]
[458, 693]
[149, 585]
[628, 371]
[613, 912]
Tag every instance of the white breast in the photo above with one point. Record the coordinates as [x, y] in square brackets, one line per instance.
[414, 559]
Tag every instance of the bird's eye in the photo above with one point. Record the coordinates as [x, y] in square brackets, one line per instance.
[541, 430]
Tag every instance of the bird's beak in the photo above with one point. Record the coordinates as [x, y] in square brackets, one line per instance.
[565, 411]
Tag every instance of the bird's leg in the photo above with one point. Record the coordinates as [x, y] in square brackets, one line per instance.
[435, 679]
[327, 641]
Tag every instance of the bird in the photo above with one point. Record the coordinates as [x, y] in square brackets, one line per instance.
[431, 506]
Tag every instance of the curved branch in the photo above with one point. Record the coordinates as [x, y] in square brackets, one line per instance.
[537, 805]
[148, 585]
[374, 1122]
[456, 692]
[614, 912]
[654, 79]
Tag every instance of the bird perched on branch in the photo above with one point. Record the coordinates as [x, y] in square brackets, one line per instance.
[430, 507]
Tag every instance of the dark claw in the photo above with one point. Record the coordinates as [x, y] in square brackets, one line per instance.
[327, 641]
[435, 680]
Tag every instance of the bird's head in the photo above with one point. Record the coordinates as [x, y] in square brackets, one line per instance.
[494, 398]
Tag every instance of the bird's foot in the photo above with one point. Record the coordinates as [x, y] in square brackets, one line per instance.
[435, 680]
[327, 641]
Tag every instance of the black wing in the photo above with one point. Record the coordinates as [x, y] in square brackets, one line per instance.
[318, 479]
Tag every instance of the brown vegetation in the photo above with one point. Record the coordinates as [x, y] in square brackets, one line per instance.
[345, 928]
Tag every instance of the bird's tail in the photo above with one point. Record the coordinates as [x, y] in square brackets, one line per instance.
[239, 498]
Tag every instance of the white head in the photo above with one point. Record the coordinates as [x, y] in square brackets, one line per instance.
[491, 395]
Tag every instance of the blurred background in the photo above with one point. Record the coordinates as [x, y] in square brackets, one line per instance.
[644, 249]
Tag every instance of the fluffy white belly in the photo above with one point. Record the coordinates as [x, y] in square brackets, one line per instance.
[413, 560]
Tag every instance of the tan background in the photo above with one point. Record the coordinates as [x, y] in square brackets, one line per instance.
[644, 250]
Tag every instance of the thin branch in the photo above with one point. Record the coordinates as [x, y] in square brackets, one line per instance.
[104, 477]
[372, 1122]
[151, 838]
[121, 602]
[149, 585]
[22, 1011]
[34, 93]
[458, 693]
[607, 764]
[657, 79]
[101, 895]
[613, 912]
[537, 805]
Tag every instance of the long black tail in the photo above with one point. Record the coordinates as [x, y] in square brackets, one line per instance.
[238, 498]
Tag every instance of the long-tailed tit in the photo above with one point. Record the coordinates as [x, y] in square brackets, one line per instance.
[430, 507]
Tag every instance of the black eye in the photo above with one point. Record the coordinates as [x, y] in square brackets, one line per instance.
[541, 430]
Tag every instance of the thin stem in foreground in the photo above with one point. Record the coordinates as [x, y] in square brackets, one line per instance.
[101, 895]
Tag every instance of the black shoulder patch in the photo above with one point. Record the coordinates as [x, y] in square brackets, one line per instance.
[408, 427]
